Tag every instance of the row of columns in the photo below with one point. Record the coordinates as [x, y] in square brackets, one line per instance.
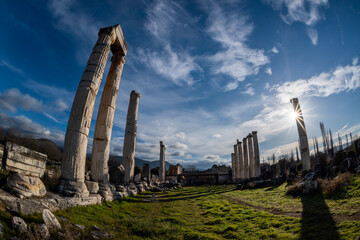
[246, 158]
[76, 138]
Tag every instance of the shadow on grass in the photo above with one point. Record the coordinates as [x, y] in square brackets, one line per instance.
[316, 221]
[168, 197]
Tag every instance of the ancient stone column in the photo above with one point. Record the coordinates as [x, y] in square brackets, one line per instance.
[246, 161]
[303, 140]
[256, 154]
[162, 168]
[233, 168]
[130, 137]
[251, 156]
[237, 165]
[147, 172]
[75, 145]
[76, 138]
[104, 121]
[241, 159]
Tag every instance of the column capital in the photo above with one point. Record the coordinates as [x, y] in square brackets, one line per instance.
[238, 142]
[133, 92]
[254, 132]
[249, 135]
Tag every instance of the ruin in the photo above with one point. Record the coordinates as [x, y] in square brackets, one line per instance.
[130, 136]
[256, 154]
[76, 138]
[237, 165]
[147, 172]
[251, 156]
[233, 168]
[246, 161]
[162, 169]
[303, 140]
[241, 159]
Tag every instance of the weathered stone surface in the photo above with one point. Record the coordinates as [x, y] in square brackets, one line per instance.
[233, 168]
[137, 178]
[237, 162]
[26, 186]
[19, 225]
[93, 187]
[162, 168]
[104, 122]
[251, 156]
[1, 230]
[246, 159]
[97, 233]
[73, 188]
[256, 154]
[241, 159]
[43, 231]
[50, 220]
[1, 153]
[303, 140]
[24, 160]
[76, 138]
[147, 172]
[130, 136]
[116, 172]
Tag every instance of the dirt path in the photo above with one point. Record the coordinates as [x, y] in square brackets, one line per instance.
[338, 218]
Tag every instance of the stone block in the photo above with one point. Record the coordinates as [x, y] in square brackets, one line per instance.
[50, 220]
[24, 160]
[26, 186]
[93, 187]
[19, 225]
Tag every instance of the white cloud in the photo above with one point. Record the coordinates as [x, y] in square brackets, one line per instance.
[343, 78]
[217, 135]
[313, 35]
[274, 50]
[236, 60]
[249, 91]
[355, 61]
[12, 99]
[177, 66]
[268, 70]
[304, 11]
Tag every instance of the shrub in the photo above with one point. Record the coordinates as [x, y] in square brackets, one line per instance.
[334, 186]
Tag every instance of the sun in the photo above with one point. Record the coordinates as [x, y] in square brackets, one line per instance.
[295, 115]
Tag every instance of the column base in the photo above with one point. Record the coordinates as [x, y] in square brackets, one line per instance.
[106, 190]
[73, 188]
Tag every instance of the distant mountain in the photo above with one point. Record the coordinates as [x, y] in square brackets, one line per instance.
[140, 162]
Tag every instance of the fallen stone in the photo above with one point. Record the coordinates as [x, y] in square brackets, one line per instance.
[137, 178]
[93, 187]
[116, 172]
[19, 225]
[50, 220]
[26, 186]
[80, 227]
[98, 234]
[43, 231]
[1, 230]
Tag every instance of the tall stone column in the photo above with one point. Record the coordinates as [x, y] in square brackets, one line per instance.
[241, 159]
[246, 159]
[130, 137]
[76, 138]
[256, 154]
[147, 172]
[303, 140]
[237, 164]
[162, 168]
[251, 156]
[104, 121]
[233, 168]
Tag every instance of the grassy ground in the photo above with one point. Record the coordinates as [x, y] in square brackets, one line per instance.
[221, 212]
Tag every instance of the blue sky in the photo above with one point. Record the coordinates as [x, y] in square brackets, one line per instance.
[209, 72]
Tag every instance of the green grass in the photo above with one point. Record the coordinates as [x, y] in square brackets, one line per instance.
[220, 212]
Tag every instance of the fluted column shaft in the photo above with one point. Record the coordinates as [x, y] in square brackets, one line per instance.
[233, 168]
[237, 165]
[241, 159]
[303, 140]
[130, 137]
[104, 121]
[251, 156]
[76, 138]
[162, 168]
[246, 161]
[256, 154]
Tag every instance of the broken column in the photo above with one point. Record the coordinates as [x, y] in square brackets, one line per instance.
[76, 138]
[303, 141]
[246, 161]
[237, 165]
[162, 168]
[241, 159]
[233, 168]
[251, 156]
[256, 154]
[104, 121]
[130, 137]
[147, 172]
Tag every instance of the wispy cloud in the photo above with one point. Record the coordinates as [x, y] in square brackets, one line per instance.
[274, 50]
[232, 31]
[11, 67]
[304, 11]
[12, 99]
[268, 70]
[342, 78]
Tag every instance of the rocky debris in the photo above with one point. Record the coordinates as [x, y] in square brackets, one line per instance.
[93, 187]
[26, 186]
[137, 178]
[50, 220]
[19, 225]
[43, 231]
[80, 227]
[96, 233]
